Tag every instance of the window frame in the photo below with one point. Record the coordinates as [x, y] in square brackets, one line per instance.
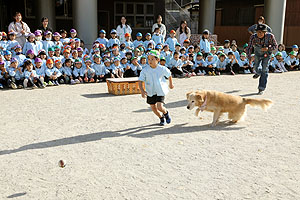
[134, 15]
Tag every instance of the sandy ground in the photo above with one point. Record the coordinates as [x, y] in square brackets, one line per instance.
[115, 150]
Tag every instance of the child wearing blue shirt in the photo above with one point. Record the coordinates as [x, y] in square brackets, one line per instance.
[291, 62]
[134, 69]
[138, 40]
[211, 65]
[101, 73]
[12, 42]
[172, 41]
[89, 72]
[200, 65]
[148, 40]
[128, 44]
[157, 37]
[102, 39]
[40, 70]
[31, 78]
[175, 65]
[52, 73]
[204, 44]
[244, 64]
[3, 42]
[155, 77]
[113, 40]
[78, 71]
[221, 64]
[16, 74]
[232, 64]
[166, 54]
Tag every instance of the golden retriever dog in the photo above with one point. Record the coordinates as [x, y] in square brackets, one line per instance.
[219, 103]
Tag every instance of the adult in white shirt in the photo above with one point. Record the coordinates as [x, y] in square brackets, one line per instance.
[20, 27]
[160, 25]
[122, 29]
[183, 32]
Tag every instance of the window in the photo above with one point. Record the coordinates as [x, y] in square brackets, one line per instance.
[63, 8]
[238, 16]
[138, 15]
[28, 9]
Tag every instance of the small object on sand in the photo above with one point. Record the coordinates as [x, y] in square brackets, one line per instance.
[62, 163]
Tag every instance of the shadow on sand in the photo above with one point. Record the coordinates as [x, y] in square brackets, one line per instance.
[147, 131]
[99, 95]
[175, 104]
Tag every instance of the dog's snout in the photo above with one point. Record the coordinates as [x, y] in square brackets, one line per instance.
[188, 107]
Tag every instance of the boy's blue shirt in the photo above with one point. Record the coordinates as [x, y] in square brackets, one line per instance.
[155, 80]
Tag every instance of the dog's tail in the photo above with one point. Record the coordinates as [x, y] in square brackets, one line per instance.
[263, 103]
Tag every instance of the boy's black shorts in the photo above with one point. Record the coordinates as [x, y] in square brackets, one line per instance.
[154, 99]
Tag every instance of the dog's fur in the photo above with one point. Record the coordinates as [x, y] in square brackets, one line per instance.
[219, 103]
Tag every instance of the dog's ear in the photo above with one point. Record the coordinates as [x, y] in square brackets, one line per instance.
[199, 96]
[188, 94]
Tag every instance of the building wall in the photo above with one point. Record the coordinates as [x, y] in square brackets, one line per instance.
[240, 33]
[107, 8]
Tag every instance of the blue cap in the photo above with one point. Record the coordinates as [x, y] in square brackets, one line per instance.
[113, 31]
[139, 34]
[102, 31]
[295, 46]
[6, 52]
[147, 34]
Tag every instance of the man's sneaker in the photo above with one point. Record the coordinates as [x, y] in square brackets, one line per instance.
[162, 121]
[255, 76]
[168, 118]
[50, 83]
[1, 86]
[13, 86]
[260, 92]
[73, 82]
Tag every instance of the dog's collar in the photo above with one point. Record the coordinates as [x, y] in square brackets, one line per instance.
[203, 106]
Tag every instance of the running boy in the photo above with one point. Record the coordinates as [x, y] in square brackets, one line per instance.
[155, 78]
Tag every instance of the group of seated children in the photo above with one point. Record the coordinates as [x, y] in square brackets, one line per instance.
[52, 59]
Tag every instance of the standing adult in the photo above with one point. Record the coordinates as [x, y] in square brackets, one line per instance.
[262, 43]
[183, 32]
[160, 25]
[20, 27]
[122, 29]
[45, 25]
[261, 20]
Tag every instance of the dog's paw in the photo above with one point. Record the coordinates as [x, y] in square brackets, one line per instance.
[212, 125]
[197, 112]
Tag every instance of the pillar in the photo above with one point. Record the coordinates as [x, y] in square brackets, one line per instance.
[274, 12]
[207, 10]
[85, 20]
[46, 8]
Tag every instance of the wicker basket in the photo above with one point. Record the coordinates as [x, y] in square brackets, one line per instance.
[123, 86]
